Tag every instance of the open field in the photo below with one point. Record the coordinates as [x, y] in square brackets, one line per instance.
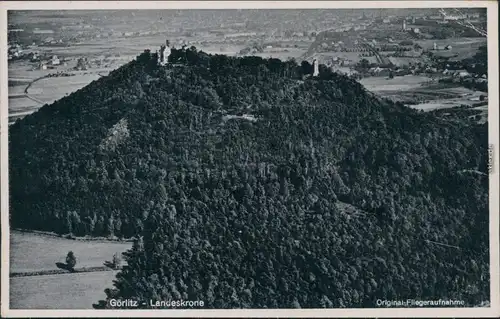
[33, 252]
[23, 70]
[295, 53]
[49, 90]
[381, 83]
[67, 291]
[324, 57]
[429, 96]
[462, 48]
[401, 61]
[441, 104]
[454, 42]
[20, 104]
[42, 90]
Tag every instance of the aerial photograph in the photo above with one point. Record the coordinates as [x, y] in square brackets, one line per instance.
[248, 158]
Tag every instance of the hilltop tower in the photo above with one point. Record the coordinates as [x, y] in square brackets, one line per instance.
[404, 25]
[435, 46]
[164, 53]
[316, 67]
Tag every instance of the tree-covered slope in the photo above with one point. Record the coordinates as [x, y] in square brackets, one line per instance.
[254, 186]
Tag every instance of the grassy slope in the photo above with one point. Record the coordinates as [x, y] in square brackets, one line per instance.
[75, 291]
[30, 252]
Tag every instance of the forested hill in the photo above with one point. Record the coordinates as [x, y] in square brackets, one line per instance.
[255, 185]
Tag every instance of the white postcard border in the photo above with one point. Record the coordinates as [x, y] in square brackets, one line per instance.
[493, 120]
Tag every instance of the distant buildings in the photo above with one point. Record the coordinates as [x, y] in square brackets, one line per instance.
[55, 60]
[378, 71]
[453, 17]
[35, 57]
[462, 74]
[457, 73]
[15, 50]
[81, 64]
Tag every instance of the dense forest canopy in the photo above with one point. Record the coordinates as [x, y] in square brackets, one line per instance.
[251, 184]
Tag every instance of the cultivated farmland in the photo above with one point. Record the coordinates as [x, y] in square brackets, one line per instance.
[49, 90]
[421, 93]
[35, 254]
[378, 84]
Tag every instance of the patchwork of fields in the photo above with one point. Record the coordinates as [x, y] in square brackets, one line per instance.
[423, 93]
[379, 83]
[31, 252]
[50, 90]
[31, 89]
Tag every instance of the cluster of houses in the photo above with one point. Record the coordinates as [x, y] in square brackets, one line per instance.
[464, 74]
[52, 63]
[340, 61]
[435, 47]
[14, 51]
[415, 69]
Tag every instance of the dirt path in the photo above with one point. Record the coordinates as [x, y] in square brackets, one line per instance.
[34, 99]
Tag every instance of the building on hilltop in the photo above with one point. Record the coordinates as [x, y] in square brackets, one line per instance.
[404, 25]
[164, 53]
[316, 68]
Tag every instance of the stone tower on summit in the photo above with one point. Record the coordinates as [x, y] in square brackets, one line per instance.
[164, 53]
[316, 68]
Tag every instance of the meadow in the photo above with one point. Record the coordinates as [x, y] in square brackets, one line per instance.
[462, 48]
[31, 252]
[42, 89]
[382, 83]
[34, 252]
[49, 90]
[423, 94]
[66, 291]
